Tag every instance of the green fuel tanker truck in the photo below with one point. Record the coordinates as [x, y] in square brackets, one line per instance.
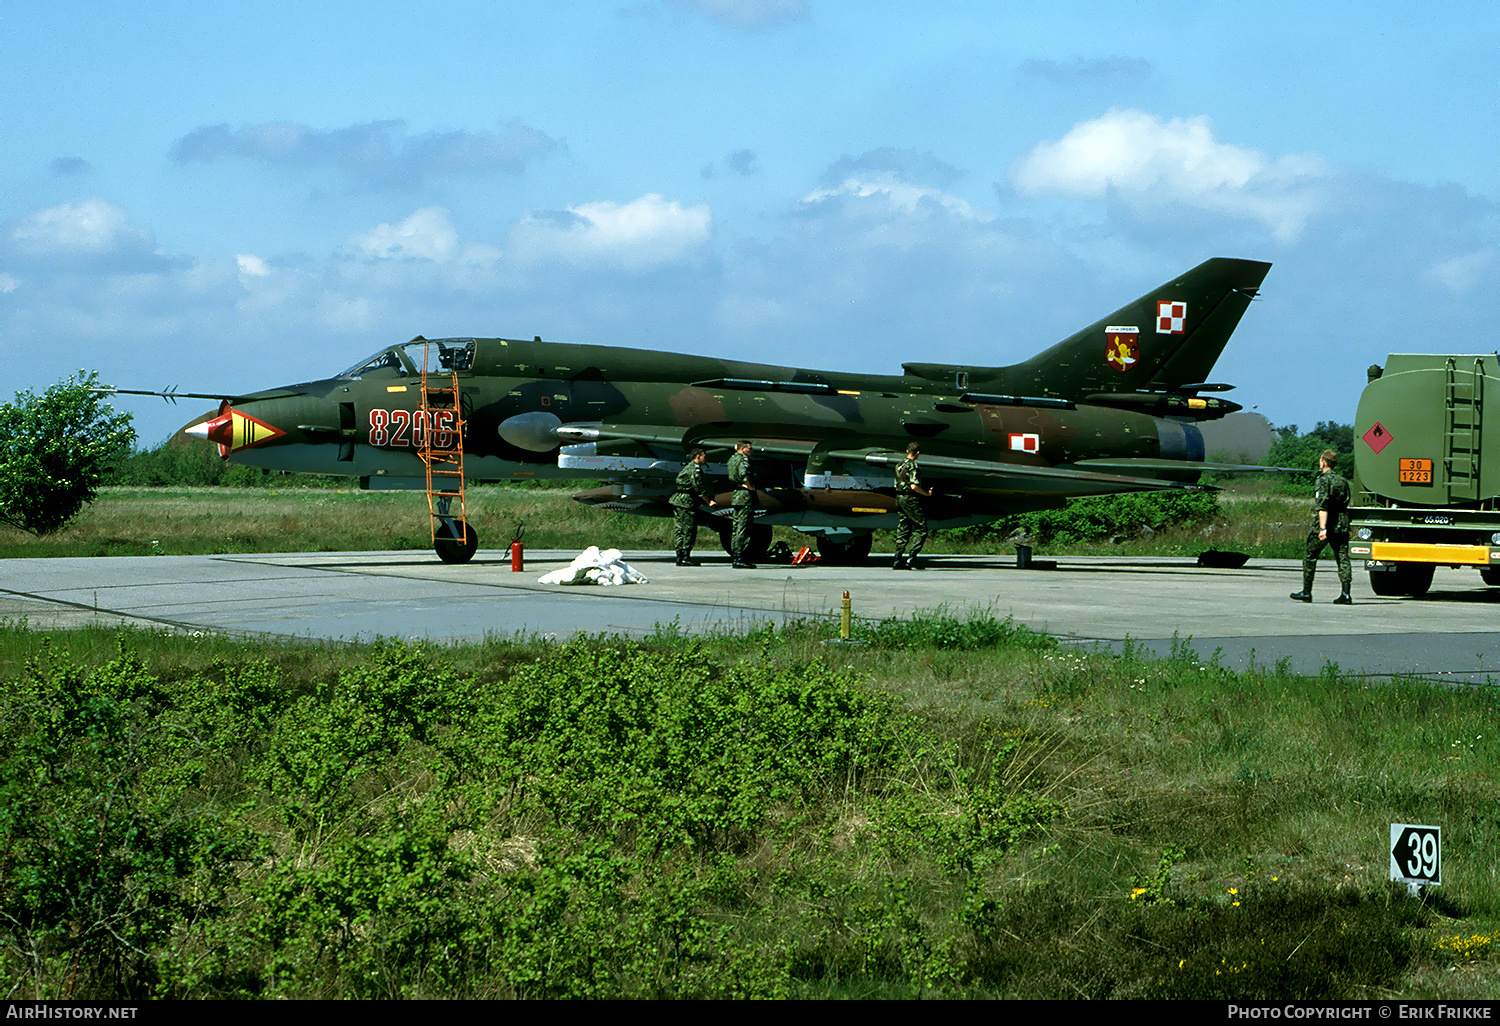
[1426, 475]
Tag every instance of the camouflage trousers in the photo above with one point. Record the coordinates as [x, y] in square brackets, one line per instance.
[911, 525]
[684, 530]
[743, 518]
[1340, 543]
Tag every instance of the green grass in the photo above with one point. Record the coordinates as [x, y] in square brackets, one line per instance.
[139, 521]
[959, 808]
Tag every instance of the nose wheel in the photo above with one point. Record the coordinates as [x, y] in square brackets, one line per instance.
[456, 541]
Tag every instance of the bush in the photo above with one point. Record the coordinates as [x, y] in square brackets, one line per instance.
[105, 872]
[1094, 517]
[184, 460]
[54, 451]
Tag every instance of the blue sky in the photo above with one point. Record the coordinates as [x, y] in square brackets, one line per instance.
[229, 196]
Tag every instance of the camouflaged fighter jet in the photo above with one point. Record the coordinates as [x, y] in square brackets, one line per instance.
[1113, 408]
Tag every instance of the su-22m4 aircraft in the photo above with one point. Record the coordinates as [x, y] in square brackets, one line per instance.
[1112, 408]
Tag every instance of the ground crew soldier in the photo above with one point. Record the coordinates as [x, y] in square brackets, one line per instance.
[911, 510]
[742, 504]
[1331, 527]
[692, 488]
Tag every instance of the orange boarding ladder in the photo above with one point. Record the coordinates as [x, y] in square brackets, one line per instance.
[442, 453]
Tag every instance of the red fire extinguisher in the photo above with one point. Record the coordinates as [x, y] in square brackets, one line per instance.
[517, 563]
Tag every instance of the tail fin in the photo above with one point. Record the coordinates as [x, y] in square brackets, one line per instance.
[1165, 340]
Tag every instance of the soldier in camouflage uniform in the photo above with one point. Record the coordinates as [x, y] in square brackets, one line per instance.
[911, 510]
[743, 504]
[692, 488]
[1331, 508]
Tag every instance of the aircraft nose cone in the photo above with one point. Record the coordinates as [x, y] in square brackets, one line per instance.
[234, 430]
[220, 429]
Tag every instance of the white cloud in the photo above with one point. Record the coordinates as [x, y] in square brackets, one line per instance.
[343, 313]
[643, 235]
[1150, 162]
[91, 227]
[904, 196]
[1464, 272]
[426, 235]
[253, 266]
[9, 282]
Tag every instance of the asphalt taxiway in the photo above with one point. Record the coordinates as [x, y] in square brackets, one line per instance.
[1244, 615]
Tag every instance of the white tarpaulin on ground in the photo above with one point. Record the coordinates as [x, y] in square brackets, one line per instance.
[595, 567]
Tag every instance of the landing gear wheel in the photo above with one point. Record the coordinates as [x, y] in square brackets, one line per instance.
[760, 541]
[852, 551]
[450, 550]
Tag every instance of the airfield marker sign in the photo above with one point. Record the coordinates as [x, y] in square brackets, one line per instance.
[1417, 854]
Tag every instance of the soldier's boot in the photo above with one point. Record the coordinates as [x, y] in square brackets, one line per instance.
[1344, 599]
[1305, 595]
[686, 559]
[899, 563]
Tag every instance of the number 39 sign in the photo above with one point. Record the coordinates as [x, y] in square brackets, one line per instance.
[1416, 853]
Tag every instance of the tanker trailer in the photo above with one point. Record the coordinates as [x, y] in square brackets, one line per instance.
[1426, 476]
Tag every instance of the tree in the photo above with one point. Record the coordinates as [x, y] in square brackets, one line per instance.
[54, 449]
[1292, 449]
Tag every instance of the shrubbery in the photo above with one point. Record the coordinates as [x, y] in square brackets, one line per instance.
[611, 819]
[55, 449]
[406, 831]
[1105, 516]
[186, 461]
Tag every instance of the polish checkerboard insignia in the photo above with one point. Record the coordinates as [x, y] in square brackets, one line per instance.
[1171, 317]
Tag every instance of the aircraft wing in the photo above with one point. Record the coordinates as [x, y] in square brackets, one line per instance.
[708, 436]
[1021, 475]
[1143, 463]
[978, 473]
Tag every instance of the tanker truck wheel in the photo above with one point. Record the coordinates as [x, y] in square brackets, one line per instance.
[1402, 579]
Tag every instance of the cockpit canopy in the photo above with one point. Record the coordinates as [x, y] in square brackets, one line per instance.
[439, 355]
